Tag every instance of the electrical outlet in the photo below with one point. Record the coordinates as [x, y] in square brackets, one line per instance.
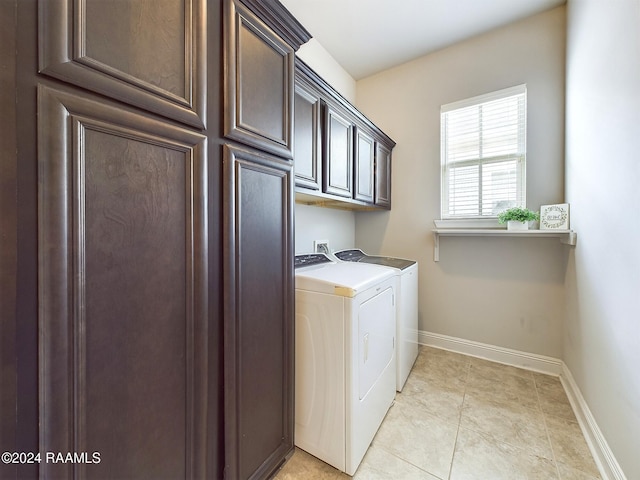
[321, 246]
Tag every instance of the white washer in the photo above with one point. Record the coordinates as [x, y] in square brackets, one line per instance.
[406, 304]
[345, 357]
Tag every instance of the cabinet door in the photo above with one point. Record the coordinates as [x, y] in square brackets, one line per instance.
[122, 291]
[259, 341]
[259, 82]
[148, 53]
[383, 176]
[337, 153]
[306, 154]
[364, 160]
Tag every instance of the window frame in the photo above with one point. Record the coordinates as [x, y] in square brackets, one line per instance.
[520, 158]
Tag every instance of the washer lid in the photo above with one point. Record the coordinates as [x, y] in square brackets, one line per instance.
[343, 279]
[356, 255]
[399, 263]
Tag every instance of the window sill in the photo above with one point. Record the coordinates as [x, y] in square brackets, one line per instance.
[568, 237]
[468, 223]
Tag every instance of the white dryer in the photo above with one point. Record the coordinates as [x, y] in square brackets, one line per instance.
[406, 307]
[345, 357]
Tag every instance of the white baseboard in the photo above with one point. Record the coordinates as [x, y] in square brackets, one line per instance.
[529, 361]
[602, 454]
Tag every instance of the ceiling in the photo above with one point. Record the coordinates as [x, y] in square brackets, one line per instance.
[368, 36]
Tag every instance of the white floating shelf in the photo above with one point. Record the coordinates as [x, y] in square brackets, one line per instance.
[567, 237]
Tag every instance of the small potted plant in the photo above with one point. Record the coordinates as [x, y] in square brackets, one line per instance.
[518, 218]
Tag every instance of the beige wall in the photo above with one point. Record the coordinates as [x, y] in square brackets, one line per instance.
[500, 291]
[316, 223]
[602, 336]
[314, 55]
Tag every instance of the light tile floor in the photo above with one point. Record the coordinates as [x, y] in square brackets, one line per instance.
[463, 418]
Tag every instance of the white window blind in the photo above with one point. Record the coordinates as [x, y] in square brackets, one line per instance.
[483, 148]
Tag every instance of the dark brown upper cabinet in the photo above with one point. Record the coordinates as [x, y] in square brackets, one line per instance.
[307, 137]
[353, 164]
[337, 149]
[363, 166]
[258, 83]
[383, 176]
[147, 53]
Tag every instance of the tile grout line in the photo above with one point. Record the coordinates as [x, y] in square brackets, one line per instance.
[407, 462]
[538, 409]
[456, 439]
[546, 429]
[455, 443]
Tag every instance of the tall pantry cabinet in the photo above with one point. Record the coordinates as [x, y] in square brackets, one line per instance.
[258, 240]
[149, 236]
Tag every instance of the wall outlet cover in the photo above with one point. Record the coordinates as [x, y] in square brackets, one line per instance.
[321, 246]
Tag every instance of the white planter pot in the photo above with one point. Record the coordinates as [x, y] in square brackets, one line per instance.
[515, 225]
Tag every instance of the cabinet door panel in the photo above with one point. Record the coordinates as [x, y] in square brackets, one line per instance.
[148, 53]
[123, 291]
[307, 143]
[364, 158]
[338, 154]
[259, 83]
[383, 176]
[258, 312]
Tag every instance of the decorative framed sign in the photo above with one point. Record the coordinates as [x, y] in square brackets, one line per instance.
[554, 217]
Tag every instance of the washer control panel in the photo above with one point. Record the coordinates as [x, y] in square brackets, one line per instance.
[311, 259]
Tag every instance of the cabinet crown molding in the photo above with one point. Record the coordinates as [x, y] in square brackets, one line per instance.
[280, 20]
